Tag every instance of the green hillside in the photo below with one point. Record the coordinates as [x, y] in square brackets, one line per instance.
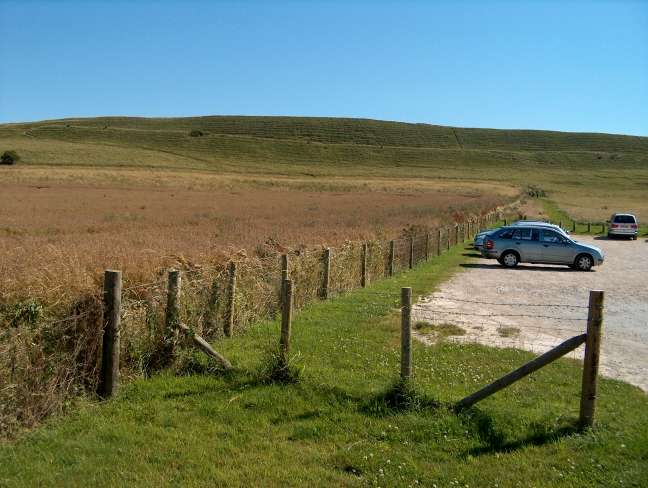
[587, 174]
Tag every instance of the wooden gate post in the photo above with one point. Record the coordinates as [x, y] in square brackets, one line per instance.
[327, 273]
[411, 252]
[438, 242]
[231, 292]
[286, 323]
[392, 249]
[109, 380]
[591, 359]
[172, 312]
[406, 334]
[363, 263]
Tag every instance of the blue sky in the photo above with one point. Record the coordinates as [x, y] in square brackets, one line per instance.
[576, 66]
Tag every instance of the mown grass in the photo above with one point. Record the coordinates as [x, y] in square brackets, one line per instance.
[345, 422]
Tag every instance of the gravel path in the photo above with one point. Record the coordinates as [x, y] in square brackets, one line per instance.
[524, 307]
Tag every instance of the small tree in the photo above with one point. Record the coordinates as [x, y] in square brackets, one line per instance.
[9, 157]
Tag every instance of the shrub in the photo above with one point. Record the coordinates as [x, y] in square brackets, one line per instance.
[9, 157]
[196, 133]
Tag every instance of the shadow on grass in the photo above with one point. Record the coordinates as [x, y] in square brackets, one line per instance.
[495, 441]
[400, 397]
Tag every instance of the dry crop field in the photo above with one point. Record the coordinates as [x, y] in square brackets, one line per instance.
[60, 228]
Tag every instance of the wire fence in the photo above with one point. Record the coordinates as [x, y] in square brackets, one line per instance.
[59, 356]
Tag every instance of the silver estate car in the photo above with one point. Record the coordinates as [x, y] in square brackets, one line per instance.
[622, 224]
[481, 236]
[539, 244]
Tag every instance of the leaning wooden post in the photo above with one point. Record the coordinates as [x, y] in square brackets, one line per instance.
[591, 360]
[363, 266]
[406, 334]
[438, 242]
[411, 252]
[172, 313]
[326, 282]
[286, 319]
[109, 380]
[392, 252]
[427, 246]
[231, 292]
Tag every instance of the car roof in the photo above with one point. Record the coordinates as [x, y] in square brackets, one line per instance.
[623, 214]
[532, 222]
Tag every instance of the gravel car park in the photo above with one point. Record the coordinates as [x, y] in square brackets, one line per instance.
[474, 299]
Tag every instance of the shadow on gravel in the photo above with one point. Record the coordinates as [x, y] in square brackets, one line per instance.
[518, 268]
[471, 255]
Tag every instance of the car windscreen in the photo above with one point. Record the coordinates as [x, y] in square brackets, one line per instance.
[624, 219]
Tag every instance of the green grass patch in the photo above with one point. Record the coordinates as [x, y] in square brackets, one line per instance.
[439, 330]
[347, 421]
[508, 331]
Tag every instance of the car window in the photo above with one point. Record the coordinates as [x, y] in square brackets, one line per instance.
[624, 219]
[506, 234]
[551, 236]
[523, 234]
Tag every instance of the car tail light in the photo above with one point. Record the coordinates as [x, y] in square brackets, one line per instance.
[489, 244]
[614, 226]
[633, 226]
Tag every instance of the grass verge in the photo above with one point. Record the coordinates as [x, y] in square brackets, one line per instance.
[345, 420]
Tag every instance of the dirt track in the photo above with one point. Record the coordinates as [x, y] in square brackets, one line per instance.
[536, 291]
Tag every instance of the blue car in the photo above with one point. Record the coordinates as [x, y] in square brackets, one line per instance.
[539, 244]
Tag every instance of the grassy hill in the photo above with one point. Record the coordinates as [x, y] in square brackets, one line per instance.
[589, 175]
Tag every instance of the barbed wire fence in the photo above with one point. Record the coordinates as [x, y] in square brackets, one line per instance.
[56, 357]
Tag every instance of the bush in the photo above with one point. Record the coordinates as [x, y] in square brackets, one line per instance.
[196, 133]
[9, 157]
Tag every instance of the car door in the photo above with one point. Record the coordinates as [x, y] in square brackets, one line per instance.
[555, 248]
[527, 242]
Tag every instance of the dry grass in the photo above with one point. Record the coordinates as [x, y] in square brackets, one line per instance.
[57, 235]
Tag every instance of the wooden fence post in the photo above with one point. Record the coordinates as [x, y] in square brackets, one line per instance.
[172, 313]
[589, 227]
[363, 263]
[427, 246]
[448, 237]
[327, 273]
[573, 226]
[284, 267]
[286, 323]
[602, 227]
[505, 222]
[406, 334]
[392, 246]
[591, 359]
[456, 234]
[231, 292]
[109, 380]
[438, 242]
[411, 252]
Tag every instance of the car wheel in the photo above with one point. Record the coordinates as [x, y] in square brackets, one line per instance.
[509, 259]
[634, 238]
[584, 262]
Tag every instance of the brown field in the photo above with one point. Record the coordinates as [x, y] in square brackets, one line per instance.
[60, 228]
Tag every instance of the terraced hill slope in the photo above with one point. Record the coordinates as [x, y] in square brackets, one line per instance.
[587, 174]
